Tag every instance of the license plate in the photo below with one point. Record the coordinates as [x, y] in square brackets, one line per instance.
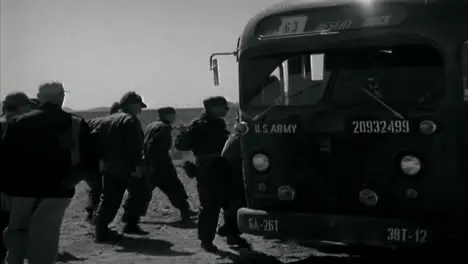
[381, 126]
[407, 235]
[264, 225]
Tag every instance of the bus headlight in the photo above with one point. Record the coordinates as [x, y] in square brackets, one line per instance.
[260, 162]
[241, 128]
[410, 165]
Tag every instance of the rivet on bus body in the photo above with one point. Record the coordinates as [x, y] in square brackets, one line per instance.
[368, 197]
[427, 127]
[261, 187]
[286, 193]
[411, 194]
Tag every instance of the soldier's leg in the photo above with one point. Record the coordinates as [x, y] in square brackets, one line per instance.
[16, 234]
[139, 192]
[151, 186]
[210, 202]
[172, 186]
[233, 201]
[94, 181]
[113, 190]
[44, 230]
[4, 217]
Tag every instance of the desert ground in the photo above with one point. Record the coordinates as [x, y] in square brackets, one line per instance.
[170, 241]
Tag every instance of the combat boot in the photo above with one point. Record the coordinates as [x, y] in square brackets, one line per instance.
[106, 235]
[133, 228]
[209, 247]
[237, 241]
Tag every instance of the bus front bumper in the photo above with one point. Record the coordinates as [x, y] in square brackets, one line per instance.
[350, 230]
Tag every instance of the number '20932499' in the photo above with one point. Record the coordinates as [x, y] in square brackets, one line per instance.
[381, 126]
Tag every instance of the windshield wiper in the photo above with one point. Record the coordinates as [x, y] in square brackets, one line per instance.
[382, 103]
[280, 98]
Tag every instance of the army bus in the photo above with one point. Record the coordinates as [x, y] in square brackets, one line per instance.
[353, 122]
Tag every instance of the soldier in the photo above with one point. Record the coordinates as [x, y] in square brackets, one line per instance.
[121, 138]
[94, 179]
[234, 198]
[206, 137]
[159, 167]
[45, 147]
[14, 104]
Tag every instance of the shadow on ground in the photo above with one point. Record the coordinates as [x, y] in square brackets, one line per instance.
[176, 224]
[340, 254]
[147, 246]
[65, 257]
[246, 256]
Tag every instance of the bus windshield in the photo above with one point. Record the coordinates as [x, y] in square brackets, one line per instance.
[405, 76]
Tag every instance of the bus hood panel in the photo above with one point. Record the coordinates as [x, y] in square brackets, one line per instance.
[336, 161]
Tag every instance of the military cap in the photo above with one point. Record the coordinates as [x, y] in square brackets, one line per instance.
[15, 100]
[215, 101]
[131, 98]
[166, 110]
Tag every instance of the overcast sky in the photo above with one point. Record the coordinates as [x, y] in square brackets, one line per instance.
[101, 48]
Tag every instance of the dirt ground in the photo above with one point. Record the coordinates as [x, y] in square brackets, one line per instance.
[168, 242]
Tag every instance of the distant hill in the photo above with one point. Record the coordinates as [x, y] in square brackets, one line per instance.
[97, 109]
[106, 109]
[184, 115]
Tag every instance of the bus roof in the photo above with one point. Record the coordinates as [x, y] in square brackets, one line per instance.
[305, 5]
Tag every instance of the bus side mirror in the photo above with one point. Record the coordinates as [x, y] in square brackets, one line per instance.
[214, 68]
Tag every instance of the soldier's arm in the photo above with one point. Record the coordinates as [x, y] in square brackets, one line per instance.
[232, 148]
[88, 155]
[134, 141]
[3, 127]
[185, 140]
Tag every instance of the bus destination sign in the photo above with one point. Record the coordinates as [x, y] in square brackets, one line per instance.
[318, 22]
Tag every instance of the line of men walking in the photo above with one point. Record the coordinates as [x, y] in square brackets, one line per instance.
[113, 155]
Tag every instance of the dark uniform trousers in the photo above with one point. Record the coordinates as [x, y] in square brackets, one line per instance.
[169, 183]
[4, 216]
[114, 186]
[212, 188]
[234, 199]
[94, 181]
